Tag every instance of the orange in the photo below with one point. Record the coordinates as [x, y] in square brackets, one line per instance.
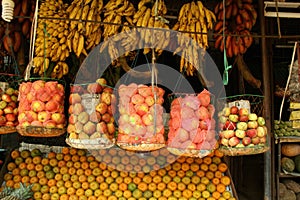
[225, 180]
[82, 178]
[181, 159]
[210, 175]
[171, 158]
[103, 186]
[67, 157]
[119, 180]
[75, 158]
[51, 182]
[73, 197]
[161, 186]
[84, 165]
[10, 183]
[187, 193]
[30, 166]
[198, 161]
[127, 194]
[201, 187]
[152, 187]
[216, 194]
[136, 180]
[218, 174]
[65, 150]
[22, 165]
[221, 187]
[172, 186]
[43, 181]
[80, 192]
[46, 196]
[215, 181]
[161, 172]
[142, 186]
[11, 166]
[194, 167]
[172, 173]
[61, 163]
[8, 177]
[93, 164]
[58, 177]
[100, 179]
[219, 153]
[148, 179]
[72, 170]
[127, 180]
[77, 165]
[68, 184]
[72, 151]
[102, 166]
[15, 171]
[222, 167]
[80, 172]
[123, 186]
[17, 178]
[51, 155]
[189, 160]
[167, 193]
[192, 187]
[14, 154]
[34, 179]
[181, 173]
[85, 185]
[37, 195]
[204, 167]
[156, 179]
[37, 159]
[226, 194]
[200, 173]
[205, 194]
[216, 160]
[207, 160]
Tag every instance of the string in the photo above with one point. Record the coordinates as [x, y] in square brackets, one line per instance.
[226, 66]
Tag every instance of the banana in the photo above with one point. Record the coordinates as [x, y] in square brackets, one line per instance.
[201, 8]
[75, 42]
[80, 45]
[139, 13]
[142, 3]
[65, 68]
[74, 12]
[146, 17]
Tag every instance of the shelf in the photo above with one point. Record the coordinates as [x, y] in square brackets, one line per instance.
[287, 139]
[291, 9]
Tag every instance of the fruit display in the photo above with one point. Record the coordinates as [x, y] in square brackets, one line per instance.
[84, 35]
[191, 124]
[91, 114]
[141, 116]
[240, 17]
[285, 128]
[8, 108]
[75, 174]
[51, 39]
[22, 192]
[241, 129]
[41, 104]
[193, 17]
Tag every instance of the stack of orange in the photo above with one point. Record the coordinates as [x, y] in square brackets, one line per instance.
[73, 174]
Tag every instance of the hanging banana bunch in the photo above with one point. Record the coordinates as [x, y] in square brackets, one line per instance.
[151, 15]
[85, 32]
[51, 37]
[195, 20]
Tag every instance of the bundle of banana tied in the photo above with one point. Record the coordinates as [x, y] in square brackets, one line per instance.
[85, 32]
[194, 21]
[51, 39]
[150, 16]
[240, 17]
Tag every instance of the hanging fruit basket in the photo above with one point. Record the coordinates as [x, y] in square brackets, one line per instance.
[242, 127]
[91, 121]
[8, 103]
[192, 126]
[41, 108]
[140, 122]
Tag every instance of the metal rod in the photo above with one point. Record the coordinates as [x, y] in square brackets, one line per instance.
[266, 72]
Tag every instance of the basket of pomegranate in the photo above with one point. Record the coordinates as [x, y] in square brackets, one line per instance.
[242, 129]
[41, 108]
[91, 121]
[8, 103]
[191, 125]
[140, 121]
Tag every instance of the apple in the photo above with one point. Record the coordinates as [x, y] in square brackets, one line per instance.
[243, 112]
[25, 87]
[44, 116]
[101, 81]
[263, 140]
[78, 127]
[3, 104]
[6, 98]
[49, 124]
[8, 110]
[14, 98]
[233, 141]
[44, 95]
[58, 98]
[223, 119]
[107, 118]
[246, 141]
[31, 116]
[2, 120]
[240, 133]
[242, 126]
[234, 110]
[135, 119]
[252, 124]
[89, 128]
[261, 121]
[58, 118]
[37, 85]
[243, 118]
[10, 91]
[37, 106]
[224, 141]
[30, 97]
[76, 89]
[255, 140]
[95, 117]
[10, 117]
[12, 104]
[252, 117]
[228, 133]
[233, 117]
[9, 123]
[226, 111]
[106, 98]
[83, 117]
[102, 127]
[111, 128]
[36, 123]
[101, 108]
[251, 133]
[22, 117]
[94, 88]
[74, 98]
[148, 119]
[51, 85]
[261, 131]
[52, 106]
[141, 109]
[15, 112]
[1, 112]
[144, 90]
[149, 100]
[24, 124]
[77, 108]
[229, 125]
[72, 119]
[240, 145]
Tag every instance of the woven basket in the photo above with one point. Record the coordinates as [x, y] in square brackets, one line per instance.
[189, 152]
[97, 143]
[7, 129]
[144, 147]
[232, 151]
[36, 131]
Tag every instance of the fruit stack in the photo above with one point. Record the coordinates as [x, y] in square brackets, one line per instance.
[8, 110]
[141, 116]
[41, 104]
[191, 124]
[240, 129]
[91, 121]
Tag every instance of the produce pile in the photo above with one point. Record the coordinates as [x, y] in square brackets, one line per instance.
[289, 189]
[290, 160]
[41, 104]
[240, 17]
[240, 128]
[193, 17]
[91, 111]
[72, 173]
[285, 128]
[141, 114]
[191, 124]
[9, 107]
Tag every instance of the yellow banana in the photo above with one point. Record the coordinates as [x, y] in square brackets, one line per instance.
[146, 17]
[65, 68]
[80, 45]
[201, 8]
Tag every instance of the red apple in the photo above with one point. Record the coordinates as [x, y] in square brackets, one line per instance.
[111, 128]
[144, 90]
[37, 85]
[229, 125]
[60, 125]
[10, 117]
[107, 118]
[234, 110]
[72, 119]
[1, 112]
[8, 110]
[58, 98]
[94, 88]
[25, 87]
[49, 124]
[76, 89]
[243, 112]
[251, 133]
[243, 118]
[263, 140]
[203, 125]
[44, 116]
[233, 141]
[255, 140]
[149, 100]
[31, 116]
[9, 123]
[101, 108]
[74, 98]
[30, 96]
[148, 119]
[43, 95]
[95, 117]
[89, 128]
[141, 109]
[240, 134]
[246, 141]
[106, 97]
[51, 85]
[12, 104]
[22, 117]
[6, 98]
[137, 99]
[252, 124]
[37, 106]
[135, 119]
[101, 127]
[58, 118]
[52, 106]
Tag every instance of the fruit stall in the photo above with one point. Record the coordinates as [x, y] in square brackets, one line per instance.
[149, 99]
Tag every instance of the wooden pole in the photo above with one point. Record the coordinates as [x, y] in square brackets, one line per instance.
[269, 181]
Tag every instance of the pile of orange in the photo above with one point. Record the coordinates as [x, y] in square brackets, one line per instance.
[74, 174]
